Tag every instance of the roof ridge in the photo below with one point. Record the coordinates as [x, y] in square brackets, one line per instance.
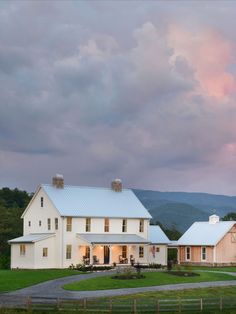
[85, 187]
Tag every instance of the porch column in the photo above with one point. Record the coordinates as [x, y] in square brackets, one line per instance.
[91, 255]
[128, 253]
[110, 254]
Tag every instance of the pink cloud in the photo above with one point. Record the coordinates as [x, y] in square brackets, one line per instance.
[210, 55]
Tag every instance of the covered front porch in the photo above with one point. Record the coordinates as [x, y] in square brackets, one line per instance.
[107, 249]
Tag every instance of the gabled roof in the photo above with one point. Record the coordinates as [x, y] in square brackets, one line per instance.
[112, 238]
[157, 235]
[79, 201]
[204, 233]
[31, 238]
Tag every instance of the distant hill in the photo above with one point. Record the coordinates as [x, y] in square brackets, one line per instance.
[181, 209]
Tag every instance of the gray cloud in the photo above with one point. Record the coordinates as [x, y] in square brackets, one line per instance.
[83, 94]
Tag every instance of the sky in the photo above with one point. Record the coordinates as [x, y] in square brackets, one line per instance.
[144, 91]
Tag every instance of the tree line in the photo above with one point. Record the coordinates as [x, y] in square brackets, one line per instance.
[12, 204]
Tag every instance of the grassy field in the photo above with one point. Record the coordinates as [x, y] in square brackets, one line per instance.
[226, 268]
[11, 280]
[151, 279]
[216, 292]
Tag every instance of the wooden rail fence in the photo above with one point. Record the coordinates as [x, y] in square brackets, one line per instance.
[109, 305]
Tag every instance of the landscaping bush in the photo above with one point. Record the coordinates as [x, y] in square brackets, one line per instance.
[84, 268]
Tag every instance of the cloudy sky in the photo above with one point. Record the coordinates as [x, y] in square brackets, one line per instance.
[144, 91]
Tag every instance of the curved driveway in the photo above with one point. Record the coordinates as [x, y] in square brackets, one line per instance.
[53, 288]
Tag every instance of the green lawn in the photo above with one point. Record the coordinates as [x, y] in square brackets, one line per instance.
[226, 268]
[11, 280]
[151, 279]
[216, 292]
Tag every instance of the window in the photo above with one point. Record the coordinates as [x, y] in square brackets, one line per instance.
[40, 223]
[188, 253]
[49, 224]
[124, 251]
[68, 224]
[68, 251]
[56, 223]
[29, 223]
[141, 251]
[203, 253]
[157, 249]
[45, 252]
[41, 201]
[124, 225]
[87, 252]
[106, 225]
[22, 249]
[88, 225]
[141, 225]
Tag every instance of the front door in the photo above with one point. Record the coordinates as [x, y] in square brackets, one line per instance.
[106, 254]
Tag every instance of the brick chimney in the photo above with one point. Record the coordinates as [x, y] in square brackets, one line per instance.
[58, 181]
[116, 185]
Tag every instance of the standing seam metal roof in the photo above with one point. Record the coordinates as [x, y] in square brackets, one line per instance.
[204, 233]
[78, 201]
[157, 235]
[112, 238]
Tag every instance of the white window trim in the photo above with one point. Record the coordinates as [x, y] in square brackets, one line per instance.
[203, 247]
[190, 253]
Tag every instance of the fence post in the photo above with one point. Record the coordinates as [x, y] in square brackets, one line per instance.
[221, 304]
[111, 305]
[58, 303]
[158, 306]
[29, 303]
[135, 306]
[201, 305]
[180, 306]
[85, 304]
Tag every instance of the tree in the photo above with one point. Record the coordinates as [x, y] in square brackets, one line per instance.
[230, 216]
[12, 205]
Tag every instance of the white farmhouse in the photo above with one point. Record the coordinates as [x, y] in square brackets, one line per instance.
[66, 225]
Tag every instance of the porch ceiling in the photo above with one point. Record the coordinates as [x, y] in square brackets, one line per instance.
[95, 238]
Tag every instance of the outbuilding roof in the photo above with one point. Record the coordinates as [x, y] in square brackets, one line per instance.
[205, 233]
[31, 238]
[157, 236]
[77, 201]
[95, 238]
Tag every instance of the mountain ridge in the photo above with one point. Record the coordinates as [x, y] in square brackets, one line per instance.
[181, 209]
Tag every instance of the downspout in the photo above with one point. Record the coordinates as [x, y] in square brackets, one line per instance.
[62, 242]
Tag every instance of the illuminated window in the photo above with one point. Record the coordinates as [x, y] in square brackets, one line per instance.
[124, 225]
[141, 251]
[22, 249]
[68, 251]
[88, 225]
[49, 224]
[188, 253]
[56, 223]
[141, 225]
[203, 253]
[45, 252]
[68, 224]
[106, 225]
